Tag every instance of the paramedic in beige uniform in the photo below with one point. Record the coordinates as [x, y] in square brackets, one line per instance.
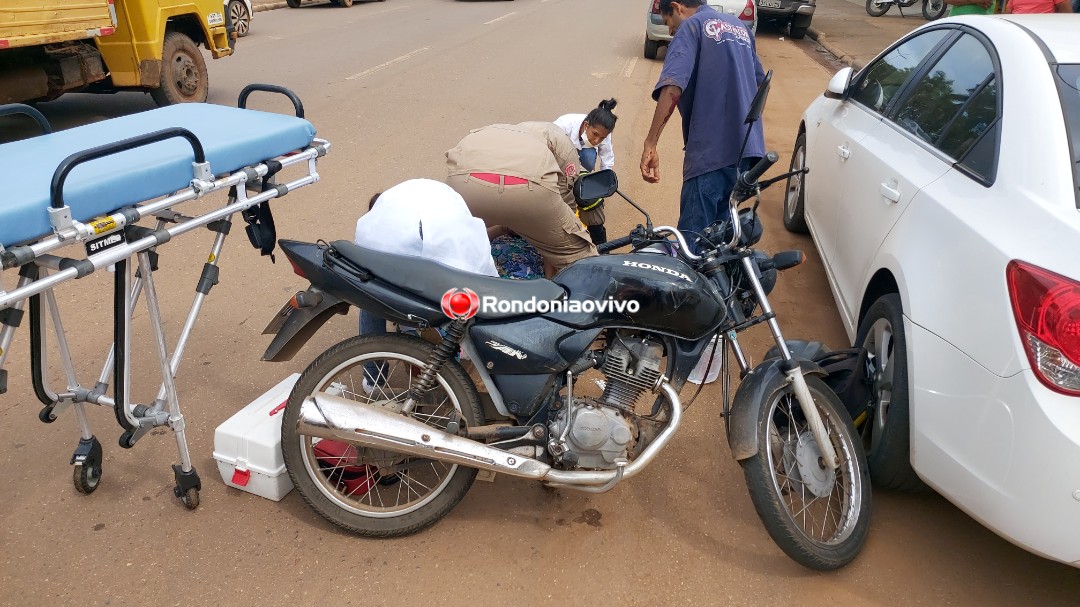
[520, 177]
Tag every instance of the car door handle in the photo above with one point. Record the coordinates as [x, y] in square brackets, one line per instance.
[890, 191]
[844, 151]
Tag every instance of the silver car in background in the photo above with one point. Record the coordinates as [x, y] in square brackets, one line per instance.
[657, 34]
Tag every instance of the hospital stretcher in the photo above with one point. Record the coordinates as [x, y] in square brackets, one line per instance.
[72, 205]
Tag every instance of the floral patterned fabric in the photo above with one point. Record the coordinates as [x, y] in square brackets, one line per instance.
[516, 259]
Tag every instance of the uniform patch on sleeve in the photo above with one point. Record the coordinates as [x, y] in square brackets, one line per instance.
[571, 170]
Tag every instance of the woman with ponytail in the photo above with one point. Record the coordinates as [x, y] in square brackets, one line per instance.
[591, 135]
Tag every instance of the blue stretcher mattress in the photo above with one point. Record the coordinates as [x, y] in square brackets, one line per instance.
[232, 138]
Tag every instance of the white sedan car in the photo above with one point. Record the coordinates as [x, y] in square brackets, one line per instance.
[943, 195]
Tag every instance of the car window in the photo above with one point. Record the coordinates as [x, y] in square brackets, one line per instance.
[1069, 89]
[884, 78]
[972, 121]
[938, 97]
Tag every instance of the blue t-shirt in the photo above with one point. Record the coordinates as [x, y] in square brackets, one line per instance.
[718, 93]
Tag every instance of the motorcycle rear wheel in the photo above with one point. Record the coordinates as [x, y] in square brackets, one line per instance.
[787, 481]
[361, 489]
[876, 8]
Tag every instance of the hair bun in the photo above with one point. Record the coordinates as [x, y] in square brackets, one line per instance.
[608, 104]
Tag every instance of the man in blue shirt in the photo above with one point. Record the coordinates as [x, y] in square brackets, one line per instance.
[711, 72]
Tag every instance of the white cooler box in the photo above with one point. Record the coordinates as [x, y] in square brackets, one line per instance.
[247, 446]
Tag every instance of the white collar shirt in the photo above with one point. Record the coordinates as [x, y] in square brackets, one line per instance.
[571, 125]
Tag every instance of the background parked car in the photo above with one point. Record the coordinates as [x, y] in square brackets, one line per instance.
[951, 239]
[657, 35]
[794, 14]
[240, 11]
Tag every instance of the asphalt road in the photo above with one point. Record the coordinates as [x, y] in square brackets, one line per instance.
[393, 85]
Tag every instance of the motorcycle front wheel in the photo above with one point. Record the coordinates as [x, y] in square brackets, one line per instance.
[817, 516]
[374, 492]
[933, 9]
[877, 8]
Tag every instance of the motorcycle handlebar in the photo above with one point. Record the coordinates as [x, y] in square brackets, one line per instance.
[749, 178]
[614, 244]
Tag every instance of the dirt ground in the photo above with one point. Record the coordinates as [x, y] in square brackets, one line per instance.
[682, 532]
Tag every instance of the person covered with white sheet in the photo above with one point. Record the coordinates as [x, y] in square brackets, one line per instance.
[422, 218]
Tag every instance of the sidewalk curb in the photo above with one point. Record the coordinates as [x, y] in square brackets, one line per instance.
[836, 51]
[258, 8]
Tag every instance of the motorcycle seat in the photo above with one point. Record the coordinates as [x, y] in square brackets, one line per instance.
[432, 280]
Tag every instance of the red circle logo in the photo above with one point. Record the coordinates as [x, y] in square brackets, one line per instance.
[460, 304]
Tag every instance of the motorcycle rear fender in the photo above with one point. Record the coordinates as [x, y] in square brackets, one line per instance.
[752, 395]
[299, 325]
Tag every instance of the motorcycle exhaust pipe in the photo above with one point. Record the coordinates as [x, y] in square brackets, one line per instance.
[326, 416]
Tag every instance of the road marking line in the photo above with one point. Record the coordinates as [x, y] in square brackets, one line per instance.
[384, 11]
[497, 19]
[383, 66]
[628, 68]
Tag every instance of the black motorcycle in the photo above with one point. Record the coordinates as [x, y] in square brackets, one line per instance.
[383, 435]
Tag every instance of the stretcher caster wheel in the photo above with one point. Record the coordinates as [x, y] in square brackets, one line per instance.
[46, 415]
[127, 439]
[86, 477]
[187, 486]
[87, 460]
[190, 498]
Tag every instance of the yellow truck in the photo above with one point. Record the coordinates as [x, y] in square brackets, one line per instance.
[50, 47]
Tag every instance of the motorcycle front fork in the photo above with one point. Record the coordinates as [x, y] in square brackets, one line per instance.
[792, 369]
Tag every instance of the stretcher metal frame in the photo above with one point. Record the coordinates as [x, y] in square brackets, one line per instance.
[40, 272]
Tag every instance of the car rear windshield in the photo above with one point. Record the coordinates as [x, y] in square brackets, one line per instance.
[1069, 87]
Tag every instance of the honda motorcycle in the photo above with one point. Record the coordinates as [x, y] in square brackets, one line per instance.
[383, 435]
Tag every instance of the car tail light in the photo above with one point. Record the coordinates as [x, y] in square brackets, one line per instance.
[655, 7]
[748, 12]
[1047, 310]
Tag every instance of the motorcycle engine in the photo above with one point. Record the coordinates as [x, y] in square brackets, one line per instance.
[600, 429]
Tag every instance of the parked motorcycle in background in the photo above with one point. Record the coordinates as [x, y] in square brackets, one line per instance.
[383, 435]
[931, 9]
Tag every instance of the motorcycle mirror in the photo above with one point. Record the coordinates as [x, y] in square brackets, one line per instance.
[839, 83]
[758, 105]
[600, 184]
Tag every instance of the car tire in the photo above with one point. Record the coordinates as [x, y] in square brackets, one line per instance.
[795, 197]
[886, 427]
[293, 3]
[240, 16]
[799, 25]
[652, 47]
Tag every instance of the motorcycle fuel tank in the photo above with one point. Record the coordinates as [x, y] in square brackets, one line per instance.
[650, 291]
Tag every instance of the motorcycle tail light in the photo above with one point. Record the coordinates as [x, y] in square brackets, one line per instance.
[748, 12]
[655, 7]
[1047, 310]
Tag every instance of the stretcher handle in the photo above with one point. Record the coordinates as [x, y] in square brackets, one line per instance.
[57, 188]
[18, 108]
[270, 88]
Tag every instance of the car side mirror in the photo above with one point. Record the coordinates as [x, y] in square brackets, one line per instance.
[838, 86]
[600, 184]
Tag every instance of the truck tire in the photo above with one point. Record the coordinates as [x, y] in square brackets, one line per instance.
[183, 72]
[293, 3]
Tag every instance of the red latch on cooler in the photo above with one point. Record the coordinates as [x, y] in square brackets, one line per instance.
[241, 477]
[277, 408]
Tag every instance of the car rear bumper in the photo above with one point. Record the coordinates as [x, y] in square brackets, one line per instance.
[1003, 449]
[787, 8]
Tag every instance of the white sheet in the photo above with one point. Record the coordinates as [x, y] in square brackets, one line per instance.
[427, 218]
